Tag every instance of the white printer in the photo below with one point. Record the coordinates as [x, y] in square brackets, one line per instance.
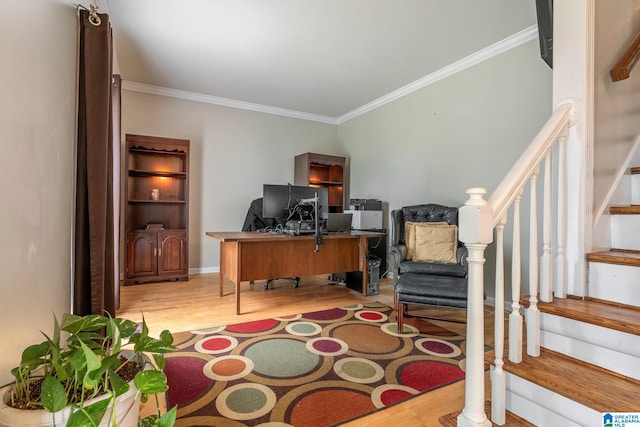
[366, 214]
[366, 220]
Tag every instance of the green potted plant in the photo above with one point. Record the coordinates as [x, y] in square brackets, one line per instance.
[94, 370]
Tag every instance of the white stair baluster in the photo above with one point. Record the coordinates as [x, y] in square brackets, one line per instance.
[515, 318]
[498, 381]
[546, 265]
[533, 313]
[561, 259]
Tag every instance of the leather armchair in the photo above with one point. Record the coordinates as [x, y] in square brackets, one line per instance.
[425, 283]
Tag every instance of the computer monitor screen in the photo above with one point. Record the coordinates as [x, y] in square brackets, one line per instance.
[279, 200]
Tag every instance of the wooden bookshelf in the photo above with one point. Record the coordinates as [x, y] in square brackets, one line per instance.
[157, 209]
[323, 171]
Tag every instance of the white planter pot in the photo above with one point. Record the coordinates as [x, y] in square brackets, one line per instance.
[11, 417]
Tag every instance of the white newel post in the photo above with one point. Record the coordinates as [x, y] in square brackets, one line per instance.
[476, 232]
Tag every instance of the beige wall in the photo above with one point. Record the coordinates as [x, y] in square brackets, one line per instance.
[464, 131]
[617, 106]
[233, 153]
[461, 132]
[38, 42]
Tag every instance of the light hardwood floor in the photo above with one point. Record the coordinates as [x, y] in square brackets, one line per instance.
[182, 306]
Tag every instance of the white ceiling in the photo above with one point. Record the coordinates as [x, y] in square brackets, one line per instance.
[317, 57]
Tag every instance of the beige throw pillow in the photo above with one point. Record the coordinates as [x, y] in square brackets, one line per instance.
[410, 235]
[435, 242]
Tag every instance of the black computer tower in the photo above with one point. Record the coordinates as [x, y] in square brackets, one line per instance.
[377, 255]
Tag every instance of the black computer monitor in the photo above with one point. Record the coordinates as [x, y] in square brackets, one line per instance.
[279, 200]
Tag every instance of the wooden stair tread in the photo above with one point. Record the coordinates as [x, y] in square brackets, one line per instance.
[625, 210]
[610, 315]
[635, 170]
[597, 388]
[512, 420]
[616, 256]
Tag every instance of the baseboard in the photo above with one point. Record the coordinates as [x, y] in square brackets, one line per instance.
[204, 270]
[491, 301]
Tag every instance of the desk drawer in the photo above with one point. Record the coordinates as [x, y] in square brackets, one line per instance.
[295, 257]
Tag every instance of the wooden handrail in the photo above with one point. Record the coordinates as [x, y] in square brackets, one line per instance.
[477, 220]
[626, 62]
[504, 195]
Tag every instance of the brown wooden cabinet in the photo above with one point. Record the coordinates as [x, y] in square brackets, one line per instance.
[324, 171]
[156, 253]
[157, 209]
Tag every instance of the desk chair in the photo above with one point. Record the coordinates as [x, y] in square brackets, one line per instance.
[254, 221]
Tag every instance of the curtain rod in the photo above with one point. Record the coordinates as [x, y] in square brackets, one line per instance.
[94, 19]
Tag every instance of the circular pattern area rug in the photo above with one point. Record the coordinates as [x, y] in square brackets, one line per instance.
[313, 369]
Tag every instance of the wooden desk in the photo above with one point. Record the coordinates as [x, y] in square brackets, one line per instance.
[247, 255]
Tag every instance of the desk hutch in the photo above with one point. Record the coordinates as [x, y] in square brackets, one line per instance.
[324, 171]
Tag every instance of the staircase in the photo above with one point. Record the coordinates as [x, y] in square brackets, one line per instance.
[589, 360]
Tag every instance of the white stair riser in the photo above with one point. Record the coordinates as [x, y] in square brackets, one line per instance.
[543, 407]
[635, 189]
[612, 282]
[625, 231]
[610, 349]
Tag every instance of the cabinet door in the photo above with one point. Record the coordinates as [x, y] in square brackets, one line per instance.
[141, 254]
[172, 253]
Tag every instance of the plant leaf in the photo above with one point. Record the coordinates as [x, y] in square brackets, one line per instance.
[56, 332]
[92, 340]
[76, 360]
[118, 385]
[166, 337]
[56, 359]
[53, 395]
[93, 322]
[114, 332]
[127, 327]
[70, 323]
[74, 324]
[160, 361]
[145, 328]
[110, 362]
[93, 364]
[153, 345]
[34, 353]
[148, 421]
[168, 419]
[151, 382]
[89, 415]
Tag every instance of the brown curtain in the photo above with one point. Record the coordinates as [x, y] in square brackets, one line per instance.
[116, 104]
[93, 286]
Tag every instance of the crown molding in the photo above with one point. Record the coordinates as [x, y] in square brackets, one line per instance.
[226, 102]
[497, 48]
